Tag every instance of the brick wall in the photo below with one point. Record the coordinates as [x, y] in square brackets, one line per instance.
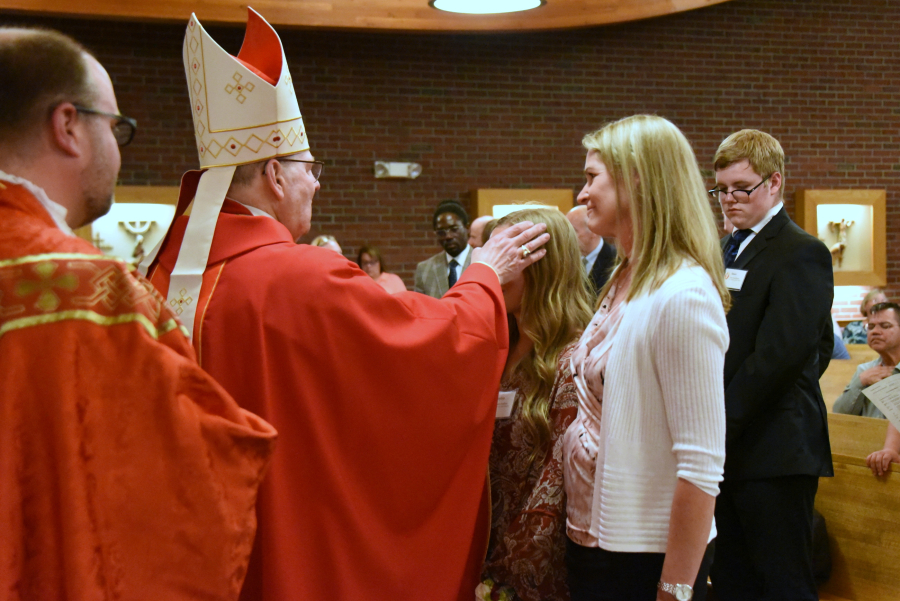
[847, 300]
[509, 110]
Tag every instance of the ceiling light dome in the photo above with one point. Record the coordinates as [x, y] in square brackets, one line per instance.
[485, 7]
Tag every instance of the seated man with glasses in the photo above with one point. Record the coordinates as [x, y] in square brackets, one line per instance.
[436, 275]
[884, 333]
[883, 326]
[776, 437]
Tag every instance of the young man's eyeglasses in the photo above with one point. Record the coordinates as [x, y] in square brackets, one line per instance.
[737, 195]
[123, 129]
[315, 169]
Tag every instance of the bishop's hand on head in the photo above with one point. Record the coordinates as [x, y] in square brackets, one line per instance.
[513, 249]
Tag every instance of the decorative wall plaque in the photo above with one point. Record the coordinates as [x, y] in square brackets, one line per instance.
[137, 220]
[852, 224]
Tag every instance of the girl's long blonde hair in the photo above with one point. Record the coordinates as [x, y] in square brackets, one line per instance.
[672, 220]
[556, 307]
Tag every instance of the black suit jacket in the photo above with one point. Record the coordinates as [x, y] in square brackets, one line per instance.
[603, 266]
[781, 341]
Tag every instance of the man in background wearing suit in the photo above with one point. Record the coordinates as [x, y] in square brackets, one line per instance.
[436, 275]
[598, 256]
[776, 430]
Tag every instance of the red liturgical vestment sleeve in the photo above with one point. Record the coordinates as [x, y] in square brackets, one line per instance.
[384, 405]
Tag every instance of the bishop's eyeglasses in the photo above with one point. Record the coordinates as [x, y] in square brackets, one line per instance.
[315, 169]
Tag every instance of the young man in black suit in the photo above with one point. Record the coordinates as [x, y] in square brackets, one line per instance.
[776, 430]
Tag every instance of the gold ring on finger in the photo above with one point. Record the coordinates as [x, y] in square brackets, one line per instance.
[525, 251]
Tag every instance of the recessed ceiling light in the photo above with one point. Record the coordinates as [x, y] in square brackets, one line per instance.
[485, 7]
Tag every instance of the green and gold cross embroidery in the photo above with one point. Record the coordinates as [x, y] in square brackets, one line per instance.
[47, 300]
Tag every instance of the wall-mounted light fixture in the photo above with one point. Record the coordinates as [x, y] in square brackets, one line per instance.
[485, 7]
[385, 169]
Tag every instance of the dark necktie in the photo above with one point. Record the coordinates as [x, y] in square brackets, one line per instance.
[451, 277]
[731, 249]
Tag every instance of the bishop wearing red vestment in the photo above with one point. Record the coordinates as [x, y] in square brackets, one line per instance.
[384, 403]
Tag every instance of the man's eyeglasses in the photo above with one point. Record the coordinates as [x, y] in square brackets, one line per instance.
[451, 230]
[315, 169]
[123, 129]
[737, 195]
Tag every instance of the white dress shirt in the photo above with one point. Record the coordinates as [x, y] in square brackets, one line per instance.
[591, 257]
[759, 226]
[254, 210]
[460, 258]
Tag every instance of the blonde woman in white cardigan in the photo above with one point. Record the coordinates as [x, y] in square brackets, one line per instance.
[641, 482]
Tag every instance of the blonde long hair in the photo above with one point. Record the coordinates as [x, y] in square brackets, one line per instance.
[671, 216]
[556, 307]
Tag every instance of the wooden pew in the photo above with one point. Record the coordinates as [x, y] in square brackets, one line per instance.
[862, 514]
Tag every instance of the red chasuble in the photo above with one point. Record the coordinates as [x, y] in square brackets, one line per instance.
[126, 472]
[384, 406]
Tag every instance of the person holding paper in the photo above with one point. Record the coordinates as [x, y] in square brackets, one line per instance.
[777, 444]
[884, 337]
[548, 305]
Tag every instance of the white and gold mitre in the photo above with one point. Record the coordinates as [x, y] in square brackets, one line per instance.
[244, 107]
[245, 111]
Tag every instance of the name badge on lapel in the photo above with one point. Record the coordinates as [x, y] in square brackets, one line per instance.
[734, 278]
[505, 403]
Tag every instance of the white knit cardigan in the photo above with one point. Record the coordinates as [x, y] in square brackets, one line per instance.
[663, 411]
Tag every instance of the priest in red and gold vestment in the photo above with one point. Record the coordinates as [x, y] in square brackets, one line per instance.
[384, 403]
[126, 472]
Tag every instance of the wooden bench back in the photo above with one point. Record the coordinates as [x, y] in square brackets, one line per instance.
[862, 514]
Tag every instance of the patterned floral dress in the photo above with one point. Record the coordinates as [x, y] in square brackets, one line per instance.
[528, 520]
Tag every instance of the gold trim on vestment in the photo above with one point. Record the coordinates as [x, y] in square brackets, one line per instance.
[170, 325]
[57, 257]
[91, 316]
[202, 317]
